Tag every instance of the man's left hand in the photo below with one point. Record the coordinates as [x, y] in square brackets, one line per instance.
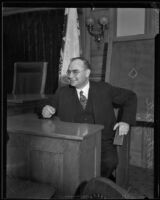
[123, 128]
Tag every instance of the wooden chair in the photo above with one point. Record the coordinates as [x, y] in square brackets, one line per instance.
[102, 188]
[29, 77]
[122, 171]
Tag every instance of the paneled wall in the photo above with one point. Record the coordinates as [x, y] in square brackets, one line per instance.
[95, 52]
[136, 72]
[142, 147]
[98, 53]
[102, 57]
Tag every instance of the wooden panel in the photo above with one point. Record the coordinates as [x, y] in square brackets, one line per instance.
[88, 146]
[71, 170]
[98, 51]
[98, 64]
[46, 167]
[136, 146]
[132, 67]
[17, 162]
[17, 156]
[148, 147]
[142, 147]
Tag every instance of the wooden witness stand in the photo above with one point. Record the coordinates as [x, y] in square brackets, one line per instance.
[51, 151]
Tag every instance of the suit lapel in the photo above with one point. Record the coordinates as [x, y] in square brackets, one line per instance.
[74, 101]
[95, 100]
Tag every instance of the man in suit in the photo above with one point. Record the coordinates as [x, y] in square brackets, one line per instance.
[97, 107]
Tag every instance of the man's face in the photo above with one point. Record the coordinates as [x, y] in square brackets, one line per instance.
[78, 74]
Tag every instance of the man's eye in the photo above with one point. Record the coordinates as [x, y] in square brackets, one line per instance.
[75, 71]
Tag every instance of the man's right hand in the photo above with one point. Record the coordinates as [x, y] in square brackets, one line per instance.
[48, 111]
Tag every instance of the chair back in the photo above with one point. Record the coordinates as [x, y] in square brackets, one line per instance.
[29, 77]
[103, 188]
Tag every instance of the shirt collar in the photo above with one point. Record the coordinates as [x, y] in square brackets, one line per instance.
[85, 90]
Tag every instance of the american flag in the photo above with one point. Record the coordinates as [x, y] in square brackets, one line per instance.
[70, 42]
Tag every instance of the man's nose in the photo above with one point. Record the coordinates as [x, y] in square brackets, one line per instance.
[70, 75]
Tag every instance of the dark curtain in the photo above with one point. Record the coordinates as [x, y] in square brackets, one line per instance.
[33, 36]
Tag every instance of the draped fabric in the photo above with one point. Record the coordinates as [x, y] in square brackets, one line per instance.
[33, 36]
[70, 42]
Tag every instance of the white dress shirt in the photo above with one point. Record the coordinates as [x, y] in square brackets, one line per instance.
[85, 90]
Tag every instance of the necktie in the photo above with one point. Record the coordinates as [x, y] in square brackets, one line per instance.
[83, 100]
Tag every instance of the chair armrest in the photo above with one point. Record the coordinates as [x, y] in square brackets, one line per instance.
[122, 171]
[118, 139]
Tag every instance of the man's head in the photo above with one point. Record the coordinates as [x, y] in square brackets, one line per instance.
[78, 72]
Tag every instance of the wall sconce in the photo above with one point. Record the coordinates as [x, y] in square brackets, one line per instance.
[98, 33]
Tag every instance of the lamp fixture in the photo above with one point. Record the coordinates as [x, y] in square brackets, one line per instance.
[98, 33]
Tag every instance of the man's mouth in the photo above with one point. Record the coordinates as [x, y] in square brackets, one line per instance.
[71, 80]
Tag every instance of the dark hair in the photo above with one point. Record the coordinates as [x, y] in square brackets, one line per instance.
[85, 61]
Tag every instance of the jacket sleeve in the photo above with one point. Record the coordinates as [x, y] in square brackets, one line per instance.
[52, 101]
[127, 101]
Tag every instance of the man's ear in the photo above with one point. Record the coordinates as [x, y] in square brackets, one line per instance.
[88, 71]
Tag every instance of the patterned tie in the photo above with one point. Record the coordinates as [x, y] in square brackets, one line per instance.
[83, 100]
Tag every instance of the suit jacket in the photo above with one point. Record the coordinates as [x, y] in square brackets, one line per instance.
[104, 98]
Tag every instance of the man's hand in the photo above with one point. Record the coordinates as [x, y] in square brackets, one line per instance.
[48, 111]
[123, 128]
